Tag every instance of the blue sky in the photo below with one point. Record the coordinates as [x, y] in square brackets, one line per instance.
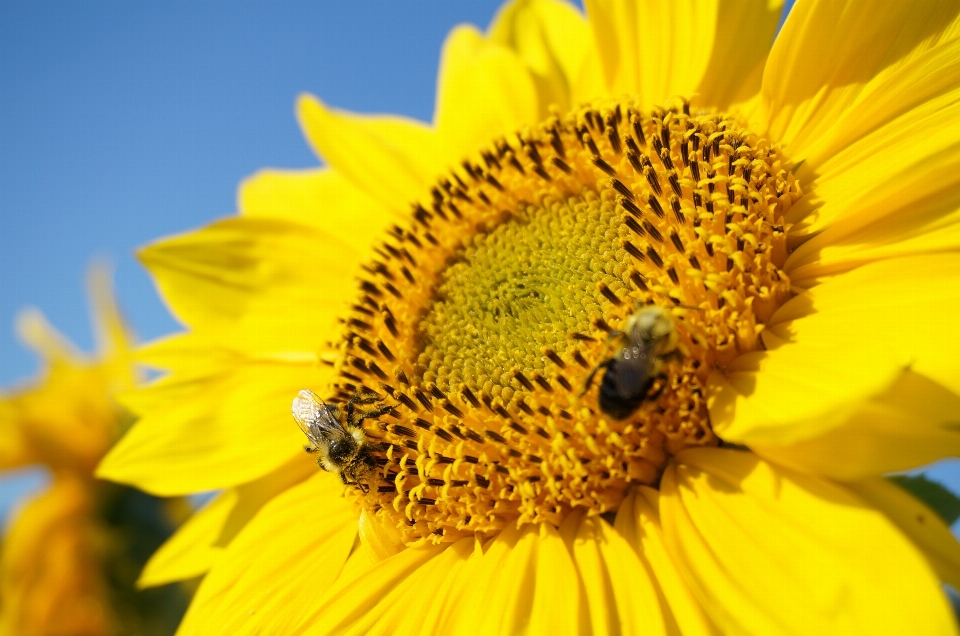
[121, 122]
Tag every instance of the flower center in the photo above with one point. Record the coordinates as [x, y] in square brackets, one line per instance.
[544, 327]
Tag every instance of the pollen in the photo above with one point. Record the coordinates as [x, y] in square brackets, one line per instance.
[480, 320]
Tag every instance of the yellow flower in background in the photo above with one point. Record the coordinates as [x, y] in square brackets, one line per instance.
[787, 214]
[71, 555]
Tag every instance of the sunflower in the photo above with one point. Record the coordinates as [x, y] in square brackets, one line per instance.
[631, 335]
[71, 555]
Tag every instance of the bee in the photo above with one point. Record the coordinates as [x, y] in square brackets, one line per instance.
[337, 435]
[650, 335]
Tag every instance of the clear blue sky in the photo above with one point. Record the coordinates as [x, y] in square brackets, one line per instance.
[121, 122]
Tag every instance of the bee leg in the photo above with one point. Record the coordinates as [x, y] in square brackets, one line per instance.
[365, 396]
[364, 488]
[371, 397]
[589, 381]
[311, 449]
[350, 410]
[377, 412]
[352, 405]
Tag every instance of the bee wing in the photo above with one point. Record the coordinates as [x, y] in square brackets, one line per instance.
[314, 417]
[631, 372]
[306, 409]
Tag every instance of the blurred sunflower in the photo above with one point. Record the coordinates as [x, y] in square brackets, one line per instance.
[71, 555]
[791, 215]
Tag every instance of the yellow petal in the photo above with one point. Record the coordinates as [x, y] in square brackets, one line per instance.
[427, 599]
[35, 331]
[657, 50]
[449, 575]
[797, 391]
[906, 305]
[197, 434]
[319, 197]
[528, 582]
[793, 412]
[114, 339]
[391, 159]
[638, 521]
[413, 605]
[849, 345]
[923, 526]
[837, 68]
[193, 355]
[190, 552]
[378, 540]
[744, 31]
[900, 178]
[926, 229]
[769, 551]
[619, 591]
[552, 39]
[238, 279]
[913, 423]
[650, 49]
[455, 592]
[272, 573]
[15, 448]
[484, 91]
[68, 418]
[252, 496]
[897, 95]
[197, 544]
[361, 598]
[188, 353]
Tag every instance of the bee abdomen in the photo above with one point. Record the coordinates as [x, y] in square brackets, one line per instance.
[610, 400]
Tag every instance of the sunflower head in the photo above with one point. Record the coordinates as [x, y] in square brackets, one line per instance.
[70, 418]
[71, 554]
[641, 248]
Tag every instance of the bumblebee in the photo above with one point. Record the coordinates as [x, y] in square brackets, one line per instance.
[649, 336]
[337, 435]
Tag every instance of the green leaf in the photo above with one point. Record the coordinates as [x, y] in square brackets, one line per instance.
[942, 501]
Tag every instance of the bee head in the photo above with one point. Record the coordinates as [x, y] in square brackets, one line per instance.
[654, 325]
